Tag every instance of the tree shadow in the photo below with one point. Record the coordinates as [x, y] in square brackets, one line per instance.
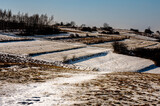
[151, 67]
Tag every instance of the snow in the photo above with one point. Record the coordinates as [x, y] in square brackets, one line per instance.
[142, 37]
[86, 51]
[117, 63]
[35, 46]
[43, 94]
[52, 92]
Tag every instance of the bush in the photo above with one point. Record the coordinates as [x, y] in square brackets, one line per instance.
[120, 47]
[107, 28]
[64, 59]
[77, 35]
[153, 54]
[94, 28]
[148, 31]
[134, 30]
[86, 29]
[117, 33]
[110, 32]
[72, 36]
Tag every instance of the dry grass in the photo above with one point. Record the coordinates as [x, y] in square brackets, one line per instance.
[26, 74]
[74, 31]
[22, 76]
[120, 89]
[135, 43]
[96, 40]
[132, 44]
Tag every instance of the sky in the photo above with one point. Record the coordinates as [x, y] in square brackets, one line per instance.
[125, 14]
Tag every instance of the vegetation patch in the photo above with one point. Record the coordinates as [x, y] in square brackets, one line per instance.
[27, 74]
[91, 39]
[120, 89]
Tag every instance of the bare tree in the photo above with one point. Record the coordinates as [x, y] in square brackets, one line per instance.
[83, 25]
[105, 25]
[73, 23]
[23, 22]
[158, 32]
[148, 30]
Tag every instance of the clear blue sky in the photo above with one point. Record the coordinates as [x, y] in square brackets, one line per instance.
[118, 13]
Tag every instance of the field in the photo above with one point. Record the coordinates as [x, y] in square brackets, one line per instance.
[91, 39]
[132, 43]
[119, 63]
[77, 71]
[77, 53]
[5, 38]
[33, 47]
[120, 89]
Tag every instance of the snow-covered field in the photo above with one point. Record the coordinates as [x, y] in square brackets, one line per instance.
[132, 43]
[140, 37]
[52, 92]
[59, 91]
[30, 47]
[81, 52]
[119, 63]
[135, 43]
[4, 37]
[110, 63]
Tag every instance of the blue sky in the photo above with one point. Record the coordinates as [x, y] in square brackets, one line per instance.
[118, 13]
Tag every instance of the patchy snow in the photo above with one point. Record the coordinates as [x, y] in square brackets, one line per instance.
[39, 94]
[142, 37]
[52, 92]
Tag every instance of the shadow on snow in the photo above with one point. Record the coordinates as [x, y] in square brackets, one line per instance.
[151, 67]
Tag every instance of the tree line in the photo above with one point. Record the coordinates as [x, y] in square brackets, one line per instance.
[25, 24]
